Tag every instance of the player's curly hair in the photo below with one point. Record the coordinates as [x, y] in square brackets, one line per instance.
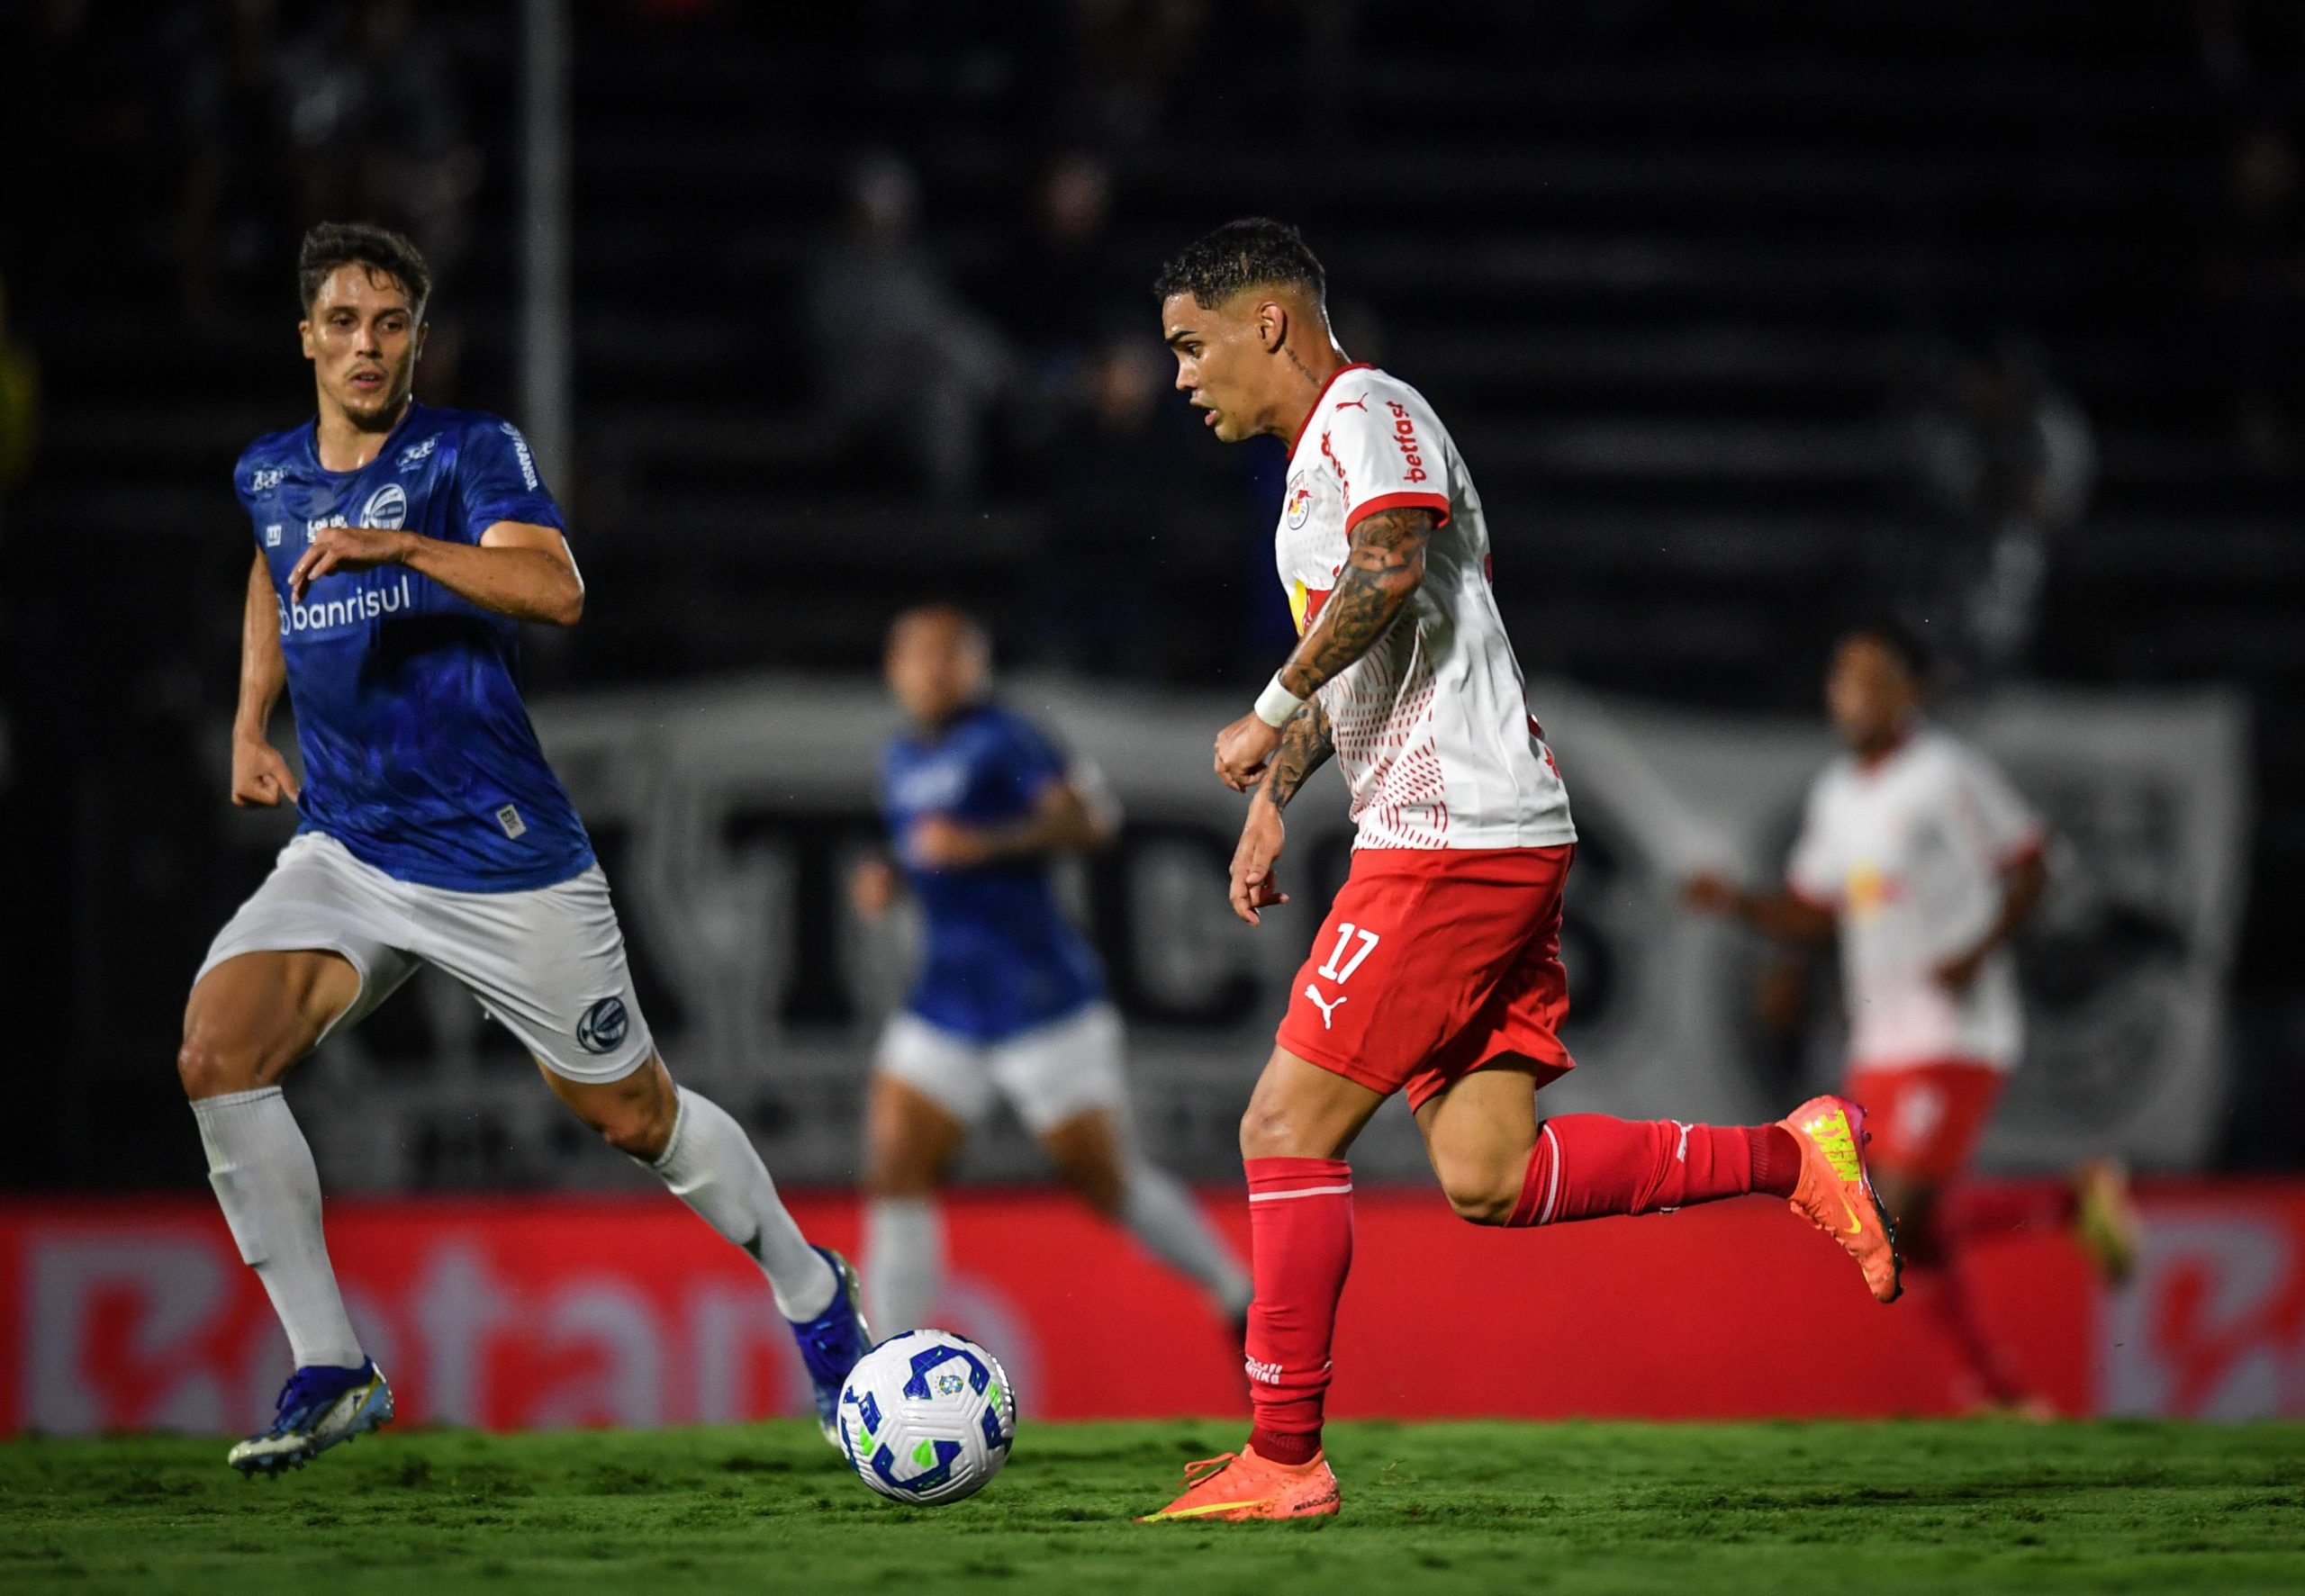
[1255, 252]
[332, 244]
[1906, 643]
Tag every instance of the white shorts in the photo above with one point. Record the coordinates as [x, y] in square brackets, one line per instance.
[548, 963]
[1049, 1074]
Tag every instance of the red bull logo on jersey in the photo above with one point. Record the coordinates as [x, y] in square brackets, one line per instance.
[1298, 507]
[1405, 439]
[358, 608]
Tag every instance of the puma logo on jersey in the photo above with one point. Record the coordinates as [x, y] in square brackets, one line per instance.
[1358, 404]
[1328, 1010]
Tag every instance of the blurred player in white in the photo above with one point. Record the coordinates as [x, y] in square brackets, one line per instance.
[1009, 1000]
[1438, 971]
[1919, 852]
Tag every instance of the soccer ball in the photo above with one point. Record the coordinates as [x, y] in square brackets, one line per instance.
[926, 1417]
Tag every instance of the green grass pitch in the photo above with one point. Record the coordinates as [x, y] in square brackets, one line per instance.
[1704, 1510]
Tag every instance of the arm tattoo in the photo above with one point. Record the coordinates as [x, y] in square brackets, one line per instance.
[1384, 566]
[1305, 747]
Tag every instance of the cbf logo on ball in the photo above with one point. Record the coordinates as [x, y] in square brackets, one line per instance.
[603, 1026]
[926, 1418]
[387, 507]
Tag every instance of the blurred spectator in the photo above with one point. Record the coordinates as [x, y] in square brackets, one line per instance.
[1068, 279]
[901, 360]
[19, 405]
[1124, 60]
[2011, 459]
[2255, 277]
[1143, 521]
[230, 211]
[376, 116]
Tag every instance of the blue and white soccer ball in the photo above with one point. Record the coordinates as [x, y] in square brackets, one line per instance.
[928, 1417]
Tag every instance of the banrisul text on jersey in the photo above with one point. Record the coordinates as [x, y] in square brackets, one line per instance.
[418, 756]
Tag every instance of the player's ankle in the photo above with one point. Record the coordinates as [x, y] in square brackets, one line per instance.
[1776, 1160]
[1288, 1449]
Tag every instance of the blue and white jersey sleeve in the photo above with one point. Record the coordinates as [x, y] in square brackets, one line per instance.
[497, 479]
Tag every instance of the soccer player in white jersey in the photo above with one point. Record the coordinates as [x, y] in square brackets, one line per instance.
[1917, 850]
[398, 550]
[1438, 971]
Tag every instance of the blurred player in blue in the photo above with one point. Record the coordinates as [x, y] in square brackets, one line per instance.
[398, 549]
[1009, 1000]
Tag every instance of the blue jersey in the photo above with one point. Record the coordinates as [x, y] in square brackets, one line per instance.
[418, 756]
[1001, 956]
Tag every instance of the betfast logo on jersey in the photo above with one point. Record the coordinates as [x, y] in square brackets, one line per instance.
[1404, 436]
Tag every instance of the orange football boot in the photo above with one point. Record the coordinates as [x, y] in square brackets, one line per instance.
[1836, 1195]
[2104, 1218]
[1243, 1485]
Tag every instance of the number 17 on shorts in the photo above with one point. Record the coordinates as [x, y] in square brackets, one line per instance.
[1355, 944]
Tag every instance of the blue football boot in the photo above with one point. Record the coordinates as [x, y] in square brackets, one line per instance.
[317, 1408]
[832, 1342]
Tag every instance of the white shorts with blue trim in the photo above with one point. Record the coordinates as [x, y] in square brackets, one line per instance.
[549, 964]
[1049, 1074]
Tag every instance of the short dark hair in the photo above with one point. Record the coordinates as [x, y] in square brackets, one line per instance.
[333, 244]
[1255, 252]
[1904, 643]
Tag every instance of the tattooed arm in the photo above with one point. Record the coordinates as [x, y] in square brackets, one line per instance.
[1384, 566]
[1306, 745]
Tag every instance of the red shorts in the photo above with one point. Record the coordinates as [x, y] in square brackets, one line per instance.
[1926, 1117]
[1435, 963]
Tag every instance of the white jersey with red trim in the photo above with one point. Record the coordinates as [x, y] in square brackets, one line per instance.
[1431, 725]
[1909, 853]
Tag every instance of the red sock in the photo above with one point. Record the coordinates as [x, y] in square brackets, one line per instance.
[1968, 1213]
[1300, 1245]
[1982, 1372]
[1587, 1165]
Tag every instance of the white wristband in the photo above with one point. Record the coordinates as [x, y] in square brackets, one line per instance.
[1276, 703]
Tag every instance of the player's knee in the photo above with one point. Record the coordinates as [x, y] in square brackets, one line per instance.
[209, 1067]
[639, 1126]
[1095, 1182]
[1271, 1129]
[1477, 1198]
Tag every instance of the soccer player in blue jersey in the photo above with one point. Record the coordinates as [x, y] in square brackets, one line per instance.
[398, 550]
[1009, 1000]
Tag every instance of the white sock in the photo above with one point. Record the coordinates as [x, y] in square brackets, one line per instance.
[1160, 1213]
[262, 1168]
[904, 1257]
[711, 1165]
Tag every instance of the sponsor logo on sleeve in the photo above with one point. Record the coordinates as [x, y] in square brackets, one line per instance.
[1405, 439]
[271, 535]
[521, 449]
[265, 478]
[387, 507]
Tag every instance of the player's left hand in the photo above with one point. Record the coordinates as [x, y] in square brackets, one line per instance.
[1958, 973]
[1255, 884]
[1242, 750]
[345, 548]
[940, 843]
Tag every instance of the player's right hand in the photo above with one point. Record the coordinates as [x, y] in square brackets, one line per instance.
[873, 888]
[1708, 893]
[261, 779]
[1254, 884]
